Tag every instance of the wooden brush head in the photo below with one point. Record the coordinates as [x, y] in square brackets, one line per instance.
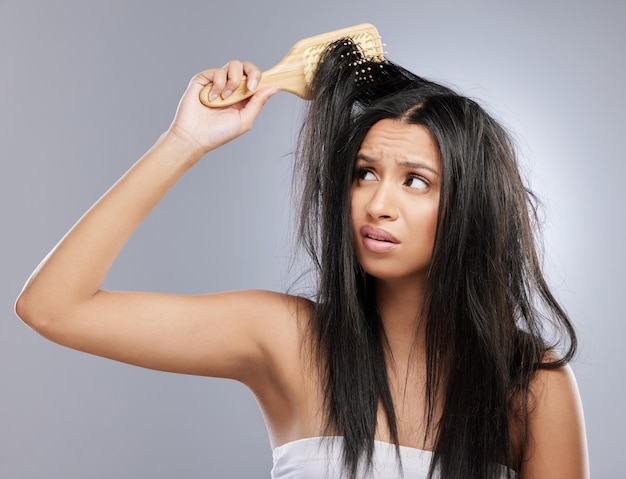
[295, 71]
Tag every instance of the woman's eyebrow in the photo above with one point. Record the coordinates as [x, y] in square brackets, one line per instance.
[406, 164]
[411, 164]
[366, 158]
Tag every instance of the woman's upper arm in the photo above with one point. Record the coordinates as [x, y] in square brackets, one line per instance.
[222, 335]
[557, 445]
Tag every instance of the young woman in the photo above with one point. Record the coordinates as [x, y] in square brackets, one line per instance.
[423, 353]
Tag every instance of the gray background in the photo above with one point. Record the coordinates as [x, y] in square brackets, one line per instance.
[87, 87]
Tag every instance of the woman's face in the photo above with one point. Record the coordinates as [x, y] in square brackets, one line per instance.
[395, 198]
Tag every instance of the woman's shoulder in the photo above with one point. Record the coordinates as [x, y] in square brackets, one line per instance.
[556, 430]
[552, 380]
[273, 299]
[278, 321]
[276, 307]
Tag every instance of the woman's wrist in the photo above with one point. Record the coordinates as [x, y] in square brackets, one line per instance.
[182, 148]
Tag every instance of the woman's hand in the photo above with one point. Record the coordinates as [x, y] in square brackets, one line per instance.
[206, 128]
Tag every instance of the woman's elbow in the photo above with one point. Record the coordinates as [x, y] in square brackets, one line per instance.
[31, 310]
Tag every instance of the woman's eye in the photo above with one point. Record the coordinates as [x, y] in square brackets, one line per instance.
[416, 182]
[364, 174]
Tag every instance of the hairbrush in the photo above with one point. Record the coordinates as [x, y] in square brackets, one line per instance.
[295, 71]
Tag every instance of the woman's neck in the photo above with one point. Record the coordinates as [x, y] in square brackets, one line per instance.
[400, 307]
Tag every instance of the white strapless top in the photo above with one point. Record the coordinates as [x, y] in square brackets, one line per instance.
[321, 457]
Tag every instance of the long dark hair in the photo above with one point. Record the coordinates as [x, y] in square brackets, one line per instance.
[489, 315]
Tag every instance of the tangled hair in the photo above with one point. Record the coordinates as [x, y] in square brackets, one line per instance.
[490, 318]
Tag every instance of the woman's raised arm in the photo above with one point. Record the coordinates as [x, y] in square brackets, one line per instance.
[218, 335]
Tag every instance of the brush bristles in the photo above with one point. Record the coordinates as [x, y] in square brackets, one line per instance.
[368, 47]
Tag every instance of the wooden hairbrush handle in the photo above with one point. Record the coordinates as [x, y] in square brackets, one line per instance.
[288, 75]
[241, 93]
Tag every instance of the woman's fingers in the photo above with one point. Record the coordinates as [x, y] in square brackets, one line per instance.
[254, 75]
[218, 77]
[228, 78]
[234, 75]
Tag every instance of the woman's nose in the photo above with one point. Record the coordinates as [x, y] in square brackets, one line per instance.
[383, 203]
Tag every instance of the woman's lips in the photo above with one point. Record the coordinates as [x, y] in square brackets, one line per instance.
[378, 240]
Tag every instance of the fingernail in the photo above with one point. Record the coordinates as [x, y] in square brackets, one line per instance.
[212, 96]
[252, 84]
[226, 93]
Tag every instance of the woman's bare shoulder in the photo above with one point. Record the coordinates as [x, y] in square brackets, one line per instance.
[283, 322]
[557, 445]
[274, 307]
